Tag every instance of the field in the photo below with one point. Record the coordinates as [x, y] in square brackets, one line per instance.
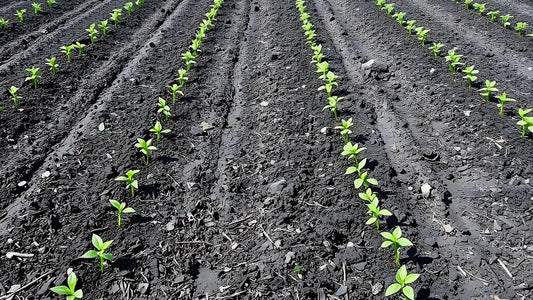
[247, 197]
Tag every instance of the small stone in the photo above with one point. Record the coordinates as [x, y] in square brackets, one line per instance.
[264, 103]
[350, 245]
[22, 183]
[432, 71]
[368, 64]
[276, 187]
[377, 288]
[426, 190]
[447, 228]
[206, 126]
[467, 112]
[288, 257]
[45, 174]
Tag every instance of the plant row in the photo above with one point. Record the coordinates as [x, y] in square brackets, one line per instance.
[363, 182]
[34, 74]
[146, 148]
[481, 9]
[37, 10]
[488, 91]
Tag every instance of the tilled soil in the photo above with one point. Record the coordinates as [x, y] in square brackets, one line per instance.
[250, 183]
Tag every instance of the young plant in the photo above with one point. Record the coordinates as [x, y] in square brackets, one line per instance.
[323, 68]
[520, 26]
[4, 23]
[99, 244]
[139, 3]
[36, 8]
[69, 290]
[503, 98]
[410, 26]
[436, 49]
[51, 3]
[333, 101]
[526, 122]
[488, 89]
[345, 129]
[13, 91]
[403, 280]
[158, 130]
[399, 17]
[480, 8]
[20, 14]
[396, 240]
[121, 208]
[175, 90]
[389, 7]
[34, 75]
[493, 15]
[368, 195]
[422, 35]
[381, 3]
[115, 16]
[92, 32]
[467, 3]
[189, 58]
[67, 50]
[182, 77]
[103, 27]
[164, 108]
[53, 65]
[352, 150]
[146, 148]
[363, 179]
[131, 182]
[318, 55]
[470, 75]
[505, 20]
[196, 43]
[80, 47]
[453, 60]
[128, 7]
[375, 212]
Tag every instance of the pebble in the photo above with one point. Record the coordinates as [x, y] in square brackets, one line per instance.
[45, 174]
[426, 190]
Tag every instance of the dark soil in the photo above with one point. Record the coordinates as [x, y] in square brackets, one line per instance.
[229, 211]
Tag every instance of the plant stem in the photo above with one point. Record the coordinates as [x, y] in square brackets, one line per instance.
[132, 191]
[101, 264]
[396, 254]
[119, 219]
[335, 112]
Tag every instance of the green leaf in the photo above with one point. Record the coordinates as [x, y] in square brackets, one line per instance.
[387, 235]
[371, 221]
[71, 297]
[135, 184]
[107, 256]
[392, 289]
[121, 178]
[72, 280]
[106, 245]
[404, 242]
[61, 290]
[411, 278]
[358, 183]
[78, 294]
[385, 212]
[408, 292]
[90, 254]
[362, 164]
[400, 275]
[97, 241]
[350, 170]
[385, 244]
[115, 203]
[128, 210]
[372, 181]
[397, 232]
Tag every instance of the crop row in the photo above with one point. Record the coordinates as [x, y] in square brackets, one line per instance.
[481, 8]
[488, 91]
[37, 10]
[34, 73]
[363, 181]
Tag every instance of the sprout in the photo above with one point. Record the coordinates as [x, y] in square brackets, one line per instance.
[146, 148]
[503, 98]
[389, 7]
[189, 58]
[399, 17]
[396, 240]
[323, 68]
[375, 212]
[34, 75]
[488, 89]
[403, 279]
[104, 27]
[363, 179]
[36, 8]
[480, 8]
[453, 60]
[115, 16]
[20, 14]
[467, 3]
[470, 75]
[92, 32]
[436, 49]
[163, 108]
[128, 7]
[505, 20]
[175, 90]
[368, 195]
[196, 43]
[70, 290]
[493, 15]
[526, 122]
[410, 26]
[131, 182]
[345, 129]
[422, 34]
[121, 208]
[4, 23]
[333, 101]
[51, 3]
[182, 77]
[318, 55]
[80, 47]
[520, 26]
[13, 91]
[52, 63]
[66, 50]
[99, 244]
[139, 3]
[158, 130]
[352, 150]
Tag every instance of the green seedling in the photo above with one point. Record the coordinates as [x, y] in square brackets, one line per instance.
[174, 90]
[368, 195]
[121, 209]
[304, 17]
[526, 122]
[182, 77]
[470, 75]
[189, 59]
[422, 35]
[520, 26]
[20, 14]
[131, 182]
[467, 3]
[352, 150]
[345, 129]
[358, 168]
[36, 8]
[307, 27]
[389, 7]
[207, 24]
[128, 6]
[396, 240]
[13, 91]
[531, 34]
[488, 89]
[67, 50]
[53, 65]
[493, 15]
[363, 179]
[4, 24]
[146, 148]
[139, 3]
[453, 60]
[333, 101]
[480, 8]
[80, 47]
[375, 212]
[103, 27]
[115, 16]
[403, 280]
[51, 3]
[34, 75]
[399, 17]
[196, 43]
[328, 86]
[503, 98]
[323, 67]
[505, 20]
[69, 290]
[164, 108]
[92, 32]
[158, 130]
[310, 37]
[211, 15]
[410, 26]
[318, 55]
[436, 49]
[381, 3]
[99, 244]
